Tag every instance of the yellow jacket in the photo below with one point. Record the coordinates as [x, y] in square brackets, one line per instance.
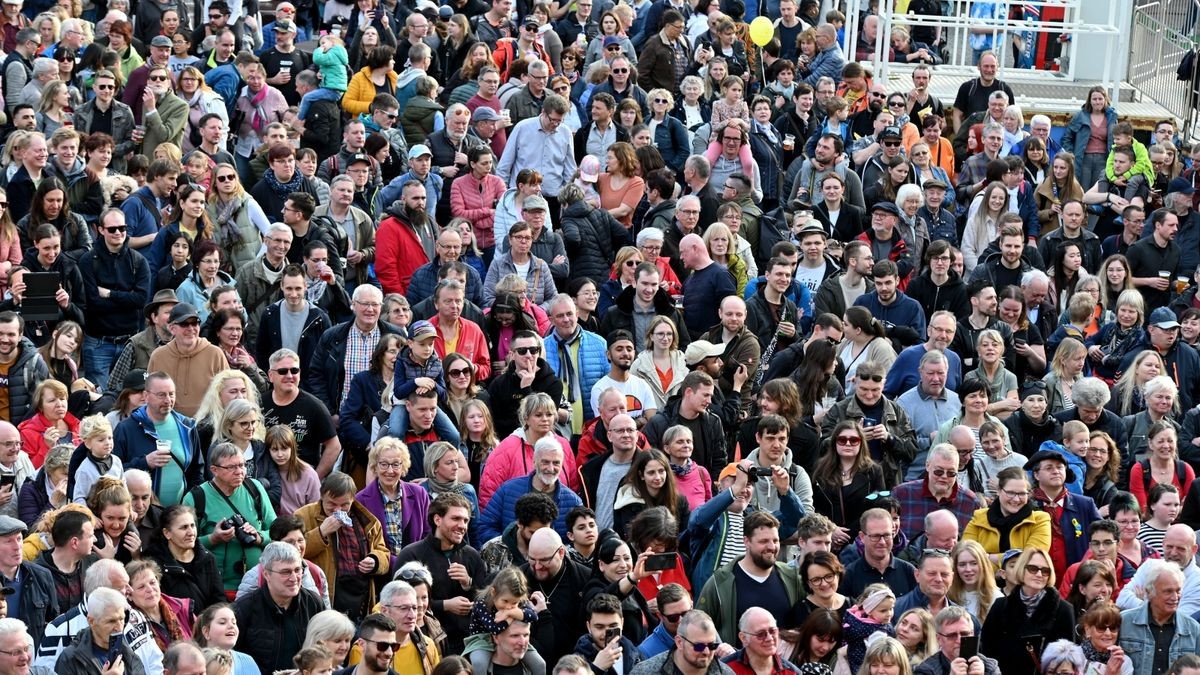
[361, 92]
[323, 553]
[1033, 531]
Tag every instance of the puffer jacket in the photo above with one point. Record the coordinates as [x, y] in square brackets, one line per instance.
[417, 120]
[592, 363]
[23, 376]
[513, 458]
[475, 199]
[592, 237]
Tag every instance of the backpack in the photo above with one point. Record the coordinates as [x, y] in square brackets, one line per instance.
[199, 498]
[1180, 473]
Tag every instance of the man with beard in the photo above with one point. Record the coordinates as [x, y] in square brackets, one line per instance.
[378, 646]
[770, 315]
[448, 556]
[1006, 267]
[450, 146]
[135, 84]
[560, 580]
[212, 139]
[758, 579]
[638, 305]
[1182, 362]
[691, 409]
[982, 317]
[274, 618]
[545, 479]
[527, 374]
[1157, 633]
[405, 239]
[920, 103]
[741, 347]
[163, 113]
[354, 137]
[843, 290]
[1179, 547]
[449, 248]
[639, 400]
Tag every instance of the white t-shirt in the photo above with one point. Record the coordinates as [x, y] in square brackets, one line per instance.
[811, 277]
[638, 396]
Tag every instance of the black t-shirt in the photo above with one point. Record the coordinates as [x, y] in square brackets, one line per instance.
[508, 670]
[307, 418]
[274, 61]
[1007, 277]
[973, 95]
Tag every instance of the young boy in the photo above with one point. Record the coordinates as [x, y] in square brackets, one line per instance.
[583, 535]
[1074, 446]
[419, 369]
[1122, 136]
[93, 458]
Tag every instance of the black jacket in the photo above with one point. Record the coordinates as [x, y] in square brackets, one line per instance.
[709, 444]
[77, 658]
[761, 320]
[39, 600]
[127, 274]
[272, 203]
[326, 373]
[506, 394]
[950, 296]
[429, 552]
[70, 278]
[198, 580]
[851, 220]
[1007, 630]
[263, 624]
[1027, 436]
[581, 138]
[620, 316]
[592, 237]
[323, 129]
[270, 337]
[558, 627]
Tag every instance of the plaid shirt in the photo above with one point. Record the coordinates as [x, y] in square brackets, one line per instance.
[359, 346]
[351, 548]
[916, 502]
[974, 170]
[393, 518]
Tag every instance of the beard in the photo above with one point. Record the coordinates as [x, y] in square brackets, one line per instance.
[764, 561]
[418, 217]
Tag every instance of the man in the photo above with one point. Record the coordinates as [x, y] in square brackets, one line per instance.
[737, 186]
[23, 369]
[164, 114]
[293, 322]
[1102, 546]
[190, 361]
[304, 413]
[528, 101]
[758, 579]
[354, 137]
[872, 153]
[1035, 287]
[696, 173]
[931, 402]
[544, 479]
[934, 572]
[982, 317]
[322, 125]
[688, 212]
[1154, 635]
[18, 66]
[903, 318]
[420, 434]
[276, 616]
[640, 403]
[577, 358]
[283, 59]
[381, 118]
[413, 651]
[542, 144]
[454, 329]
[620, 83]
[449, 247]
[844, 290]
[1115, 195]
[877, 564]
[531, 512]
[1182, 364]
[810, 186]
[297, 212]
[147, 516]
[973, 176]
[346, 349]
[158, 439]
[974, 95]
[1006, 268]
[786, 468]
[596, 136]
[941, 533]
[1039, 127]
[488, 78]
[1091, 396]
[45, 70]
[691, 409]
[107, 617]
[118, 282]
[673, 602]
[1071, 514]
[829, 60]
[770, 316]
[104, 114]
[595, 439]
[135, 85]
[486, 128]
[405, 238]
[815, 266]
[1073, 222]
[919, 102]
[148, 209]
[741, 346]
[494, 24]
[527, 373]
[759, 635]
[1180, 196]
[1154, 262]
[639, 304]
[665, 56]
[705, 287]
[887, 430]
[183, 658]
[72, 536]
[451, 559]
[212, 138]
[605, 652]
[258, 280]
[561, 580]
[602, 475]
[34, 600]
[939, 489]
[952, 624]
[1179, 547]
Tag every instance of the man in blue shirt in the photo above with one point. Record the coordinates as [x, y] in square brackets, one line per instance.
[705, 288]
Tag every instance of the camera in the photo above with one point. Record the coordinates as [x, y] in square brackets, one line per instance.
[756, 472]
[236, 521]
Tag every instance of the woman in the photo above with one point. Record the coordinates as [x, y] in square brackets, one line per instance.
[387, 464]
[1109, 346]
[1037, 160]
[461, 386]
[781, 397]
[610, 26]
[1101, 625]
[691, 480]
[120, 38]
[1162, 406]
[479, 436]
[226, 386]
[1065, 370]
[514, 456]
[240, 221]
[693, 110]
[816, 380]
[170, 618]
[619, 574]
[814, 646]
[886, 656]
[1013, 121]
[225, 330]
[365, 397]
[217, 627]
[1031, 615]
[1058, 187]
[1162, 465]
[1125, 511]
[1089, 136]
[1162, 508]
[366, 40]
[820, 572]
[719, 241]
[974, 582]
[590, 234]
[863, 339]
[445, 471]
[1062, 656]
[50, 424]
[629, 115]
[512, 203]
[202, 101]
[454, 49]
[520, 256]
[983, 226]
[117, 537]
[47, 489]
[670, 136]
[895, 174]
[649, 483]
[54, 108]
[242, 428]
[1011, 521]
[332, 630]
[1095, 581]
[98, 148]
[730, 214]
[1129, 392]
[661, 363]
[49, 205]
[377, 76]
[844, 476]
[1103, 461]
[1001, 384]
[63, 352]
[1115, 272]
[924, 170]
[619, 186]
[189, 571]
[474, 196]
[586, 294]
[206, 275]
[914, 630]
[623, 274]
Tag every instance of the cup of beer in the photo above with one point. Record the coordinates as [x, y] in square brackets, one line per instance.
[789, 142]
[1181, 284]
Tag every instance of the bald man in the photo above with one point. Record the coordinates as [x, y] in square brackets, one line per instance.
[183, 658]
[741, 347]
[551, 572]
[759, 634]
[703, 289]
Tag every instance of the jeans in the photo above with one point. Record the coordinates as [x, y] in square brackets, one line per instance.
[1092, 169]
[442, 426]
[98, 359]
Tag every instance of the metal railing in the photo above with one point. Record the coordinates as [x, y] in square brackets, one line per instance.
[1157, 45]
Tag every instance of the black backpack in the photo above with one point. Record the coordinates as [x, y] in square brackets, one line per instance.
[1180, 473]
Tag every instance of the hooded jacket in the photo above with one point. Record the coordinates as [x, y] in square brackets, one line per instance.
[592, 237]
[1027, 435]
[24, 374]
[829, 298]
[192, 371]
[506, 394]
[950, 296]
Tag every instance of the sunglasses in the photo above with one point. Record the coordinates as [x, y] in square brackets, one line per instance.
[613, 48]
[189, 324]
[870, 378]
[106, 87]
[663, 101]
[891, 144]
[287, 371]
[459, 372]
[526, 351]
[673, 618]
[944, 473]
[116, 229]
[879, 495]
[1038, 570]
[620, 70]
[158, 78]
[227, 178]
[701, 647]
[848, 440]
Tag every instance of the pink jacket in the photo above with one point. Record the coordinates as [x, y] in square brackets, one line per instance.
[475, 200]
[513, 458]
[10, 252]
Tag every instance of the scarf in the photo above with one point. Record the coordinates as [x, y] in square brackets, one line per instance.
[227, 213]
[315, 289]
[683, 471]
[570, 377]
[169, 629]
[437, 487]
[258, 118]
[282, 190]
[1031, 604]
[102, 465]
[1092, 654]
[1005, 524]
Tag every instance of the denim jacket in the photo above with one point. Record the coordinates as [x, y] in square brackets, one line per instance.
[1138, 641]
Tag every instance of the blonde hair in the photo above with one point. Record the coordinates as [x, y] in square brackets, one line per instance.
[94, 426]
[985, 587]
[389, 443]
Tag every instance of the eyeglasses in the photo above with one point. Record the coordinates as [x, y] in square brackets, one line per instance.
[231, 467]
[763, 635]
[544, 562]
[1038, 570]
[896, 104]
[17, 653]
[287, 371]
[459, 372]
[9, 445]
[383, 645]
[1107, 629]
[189, 324]
[1103, 543]
[227, 178]
[876, 94]
[848, 440]
[403, 609]
[1014, 495]
[944, 473]
[821, 581]
[731, 139]
[526, 351]
[701, 647]
[115, 229]
[878, 537]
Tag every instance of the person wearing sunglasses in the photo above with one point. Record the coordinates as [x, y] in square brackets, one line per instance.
[189, 360]
[939, 489]
[1012, 628]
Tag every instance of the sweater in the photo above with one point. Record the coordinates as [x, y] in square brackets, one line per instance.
[192, 371]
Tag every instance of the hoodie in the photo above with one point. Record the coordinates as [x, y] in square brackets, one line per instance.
[192, 371]
[766, 497]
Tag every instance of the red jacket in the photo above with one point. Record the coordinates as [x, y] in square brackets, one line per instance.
[476, 200]
[471, 344]
[32, 441]
[398, 253]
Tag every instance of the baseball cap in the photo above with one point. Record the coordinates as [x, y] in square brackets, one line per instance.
[135, 380]
[359, 157]
[730, 471]
[420, 330]
[1181, 185]
[589, 169]
[1009, 555]
[1163, 317]
[700, 350]
[535, 203]
[484, 114]
[285, 26]
[890, 132]
[419, 150]
[611, 40]
[160, 41]
[182, 313]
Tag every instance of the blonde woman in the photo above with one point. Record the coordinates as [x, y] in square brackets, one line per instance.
[1116, 339]
[885, 656]
[719, 241]
[1129, 392]
[1066, 369]
[52, 108]
[983, 222]
[387, 463]
[661, 364]
[202, 100]
[914, 630]
[974, 583]
[1001, 383]
[226, 386]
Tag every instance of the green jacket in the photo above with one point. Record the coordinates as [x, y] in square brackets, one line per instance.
[719, 597]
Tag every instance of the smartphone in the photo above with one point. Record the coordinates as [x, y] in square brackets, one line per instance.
[968, 646]
[610, 634]
[660, 561]
[8, 479]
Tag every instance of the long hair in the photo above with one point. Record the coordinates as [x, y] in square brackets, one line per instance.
[1112, 465]
[63, 327]
[787, 396]
[829, 466]
[212, 411]
[1069, 179]
[985, 587]
[980, 222]
[823, 623]
[238, 190]
[1088, 570]
[668, 494]
[812, 380]
[204, 225]
[889, 187]
[928, 645]
[282, 435]
[1064, 287]
[1109, 297]
[487, 440]
[37, 210]
[1015, 293]
[1127, 385]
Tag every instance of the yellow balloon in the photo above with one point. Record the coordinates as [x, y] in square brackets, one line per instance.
[761, 31]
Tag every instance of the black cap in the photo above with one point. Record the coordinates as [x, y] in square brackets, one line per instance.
[886, 206]
[890, 132]
[135, 380]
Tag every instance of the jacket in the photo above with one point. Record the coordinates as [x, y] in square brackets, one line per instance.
[1008, 631]
[506, 393]
[938, 664]
[643, 367]
[429, 551]
[592, 363]
[620, 317]
[1033, 531]
[166, 125]
[1137, 639]
[501, 508]
[540, 278]
[364, 240]
[1079, 131]
[829, 298]
[664, 664]
[361, 91]
[1045, 198]
[710, 444]
[708, 528]
[656, 66]
[414, 514]
[1089, 248]
[398, 250]
[198, 580]
[323, 128]
[263, 623]
[419, 118]
[39, 600]
[950, 296]
[903, 447]
[127, 275]
[592, 237]
[24, 375]
[719, 596]
[324, 552]
[471, 344]
[513, 458]
[326, 373]
[762, 322]
[270, 337]
[475, 199]
[630, 656]
[77, 659]
[135, 437]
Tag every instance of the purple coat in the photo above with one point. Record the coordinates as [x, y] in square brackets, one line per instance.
[414, 512]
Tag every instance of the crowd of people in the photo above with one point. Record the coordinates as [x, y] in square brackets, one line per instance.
[583, 337]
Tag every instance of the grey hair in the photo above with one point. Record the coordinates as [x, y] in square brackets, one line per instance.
[943, 451]
[674, 432]
[418, 570]
[1155, 568]
[744, 622]
[1160, 383]
[545, 444]
[909, 190]
[571, 663]
[992, 127]
[104, 600]
[932, 518]
[239, 408]
[284, 353]
[609, 391]
[59, 457]
[395, 589]
[367, 289]
[1032, 276]
[137, 474]
[934, 356]
[825, 79]
[1063, 651]
[690, 199]
[222, 450]
[340, 178]
[695, 617]
[559, 299]
[44, 66]
[648, 234]
[951, 614]
[1091, 392]
[699, 164]
[10, 626]
[276, 552]
[277, 228]
[100, 574]
[997, 95]
[1039, 119]
[329, 624]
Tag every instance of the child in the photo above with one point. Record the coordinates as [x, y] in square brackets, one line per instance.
[93, 458]
[419, 369]
[504, 601]
[179, 268]
[1074, 447]
[169, 151]
[199, 168]
[583, 535]
[735, 117]
[731, 105]
[586, 177]
[299, 480]
[333, 63]
[1122, 135]
[838, 21]
[315, 660]
[870, 616]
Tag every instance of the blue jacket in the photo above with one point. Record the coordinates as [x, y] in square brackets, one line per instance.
[501, 509]
[657, 642]
[363, 401]
[407, 371]
[1078, 514]
[139, 218]
[827, 63]
[904, 311]
[1027, 209]
[1138, 641]
[135, 437]
[592, 365]
[1052, 149]
[671, 138]
[424, 282]
[709, 523]
[1079, 130]
[226, 81]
